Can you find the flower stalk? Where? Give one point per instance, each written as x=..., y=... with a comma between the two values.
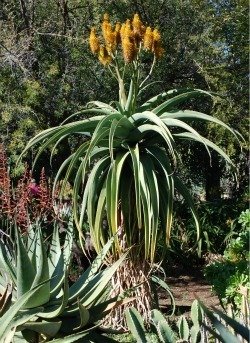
x=125, y=43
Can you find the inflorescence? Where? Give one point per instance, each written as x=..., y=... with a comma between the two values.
x=131, y=36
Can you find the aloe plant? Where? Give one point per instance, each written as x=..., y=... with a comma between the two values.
x=204, y=325
x=225, y=328
x=123, y=170
x=41, y=304
x=163, y=330
x=128, y=153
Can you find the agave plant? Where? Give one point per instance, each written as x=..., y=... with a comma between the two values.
x=41, y=304
x=124, y=168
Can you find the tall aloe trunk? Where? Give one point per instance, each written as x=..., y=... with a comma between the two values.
x=132, y=279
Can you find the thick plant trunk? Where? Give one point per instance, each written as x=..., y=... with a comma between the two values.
x=131, y=280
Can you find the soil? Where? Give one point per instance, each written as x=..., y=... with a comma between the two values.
x=186, y=285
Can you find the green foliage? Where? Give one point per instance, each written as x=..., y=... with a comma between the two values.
x=244, y=219
x=230, y=276
x=220, y=326
x=226, y=278
x=135, y=324
x=42, y=302
x=224, y=328
x=218, y=222
x=163, y=330
x=238, y=248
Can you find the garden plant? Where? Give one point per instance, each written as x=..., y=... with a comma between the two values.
x=229, y=276
x=204, y=325
x=38, y=304
x=124, y=167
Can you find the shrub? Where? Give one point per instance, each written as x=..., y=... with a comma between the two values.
x=230, y=277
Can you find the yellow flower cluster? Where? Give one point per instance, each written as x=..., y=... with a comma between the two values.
x=132, y=35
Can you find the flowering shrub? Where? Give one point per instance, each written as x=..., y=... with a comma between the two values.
x=28, y=201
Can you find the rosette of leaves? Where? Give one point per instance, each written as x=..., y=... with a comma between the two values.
x=41, y=305
x=129, y=152
x=123, y=169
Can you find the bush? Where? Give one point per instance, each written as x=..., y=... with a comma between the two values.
x=227, y=278
x=230, y=277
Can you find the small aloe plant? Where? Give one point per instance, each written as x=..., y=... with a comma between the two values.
x=225, y=328
x=205, y=324
x=41, y=305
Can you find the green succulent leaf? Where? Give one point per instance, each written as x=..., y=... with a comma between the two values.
x=24, y=279
x=178, y=99
x=41, y=274
x=197, y=314
x=183, y=328
x=52, y=311
x=50, y=329
x=6, y=263
x=6, y=321
x=221, y=331
x=165, y=333
x=95, y=286
x=135, y=325
x=55, y=251
x=24, y=316
x=76, y=337
x=84, y=315
x=195, y=334
x=163, y=285
x=77, y=288
x=194, y=115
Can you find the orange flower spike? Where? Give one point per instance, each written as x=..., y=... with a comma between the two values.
x=118, y=33
x=94, y=41
x=156, y=35
x=148, y=39
x=108, y=34
x=128, y=42
x=128, y=32
x=138, y=27
x=110, y=40
x=129, y=49
x=156, y=47
x=105, y=25
x=122, y=31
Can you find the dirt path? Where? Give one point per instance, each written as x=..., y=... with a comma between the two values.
x=185, y=286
